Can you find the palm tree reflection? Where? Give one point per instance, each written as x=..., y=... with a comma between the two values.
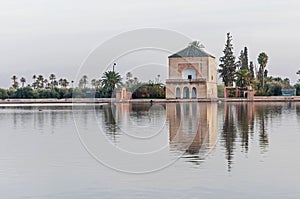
x=242, y=121
x=109, y=120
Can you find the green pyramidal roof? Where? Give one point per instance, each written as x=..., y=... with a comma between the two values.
x=191, y=51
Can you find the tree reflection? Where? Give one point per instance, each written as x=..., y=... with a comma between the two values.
x=245, y=122
x=263, y=135
x=242, y=121
x=264, y=116
x=229, y=131
x=298, y=110
x=193, y=127
x=109, y=120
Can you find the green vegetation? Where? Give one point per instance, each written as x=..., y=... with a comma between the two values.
x=144, y=90
x=228, y=65
x=105, y=87
x=111, y=80
x=243, y=75
x=297, y=87
x=220, y=91
x=149, y=90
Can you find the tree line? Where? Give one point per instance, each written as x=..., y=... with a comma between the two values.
x=243, y=72
x=104, y=87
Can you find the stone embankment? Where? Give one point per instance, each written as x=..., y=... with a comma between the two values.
x=110, y=100
x=58, y=101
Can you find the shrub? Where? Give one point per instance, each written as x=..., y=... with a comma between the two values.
x=221, y=91
x=3, y=94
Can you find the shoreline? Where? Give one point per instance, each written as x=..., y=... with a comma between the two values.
x=112, y=100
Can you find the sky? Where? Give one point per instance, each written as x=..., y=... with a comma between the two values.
x=55, y=36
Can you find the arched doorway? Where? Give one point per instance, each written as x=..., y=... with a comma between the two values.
x=178, y=96
x=194, y=93
x=186, y=93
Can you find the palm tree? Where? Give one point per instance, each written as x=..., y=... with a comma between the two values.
x=47, y=85
x=40, y=81
x=53, y=81
x=263, y=60
x=128, y=76
x=243, y=77
x=23, y=81
x=80, y=84
x=93, y=83
x=60, y=81
x=34, y=81
x=84, y=80
x=197, y=44
x=111, y=80
x=64, y=83
x=157, y=80
x=98, y=84
x=15, y=83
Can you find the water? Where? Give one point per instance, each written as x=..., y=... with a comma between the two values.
x=188, y=150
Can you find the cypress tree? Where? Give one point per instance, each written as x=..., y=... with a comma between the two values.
x=227, y=66
x=245, y=59
x=251, y=69
x=241, y=60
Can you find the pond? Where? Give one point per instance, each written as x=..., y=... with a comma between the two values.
x=172, y=150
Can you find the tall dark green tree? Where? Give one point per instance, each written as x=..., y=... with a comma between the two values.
x=251, y=70
x=227, y=66
x=240, y=59
x=245, y=59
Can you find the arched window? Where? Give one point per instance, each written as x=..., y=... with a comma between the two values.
x=178, y=96
x=194, y=93
x=186, y=93
x=189, y=73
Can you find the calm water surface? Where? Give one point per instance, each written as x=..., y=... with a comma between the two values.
x=188, y=150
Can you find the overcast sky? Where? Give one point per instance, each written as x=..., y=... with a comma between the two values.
x=56, y=36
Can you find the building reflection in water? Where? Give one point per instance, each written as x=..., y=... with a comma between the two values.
x=192, y=129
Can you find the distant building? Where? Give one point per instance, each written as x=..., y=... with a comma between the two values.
x=123, y=95
x=192, y=74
